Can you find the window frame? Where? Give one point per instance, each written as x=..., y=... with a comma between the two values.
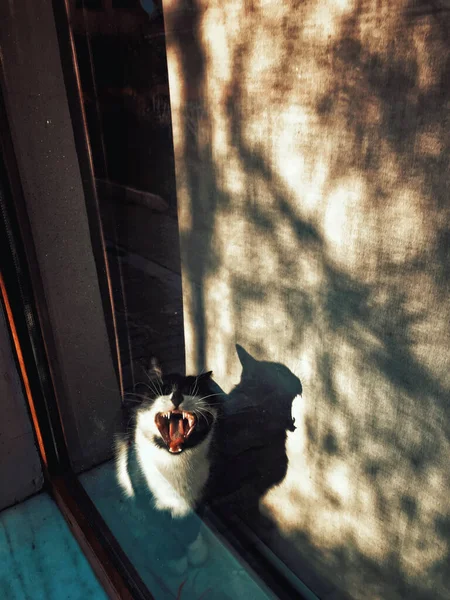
x=25, y=317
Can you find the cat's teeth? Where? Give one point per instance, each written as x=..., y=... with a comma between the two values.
x=184, y=416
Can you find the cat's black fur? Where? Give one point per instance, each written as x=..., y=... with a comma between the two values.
x=246, y=453
x=168, y=471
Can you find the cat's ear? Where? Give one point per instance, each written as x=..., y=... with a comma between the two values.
x=205, y=375
x=247, y=361
x=155, y=371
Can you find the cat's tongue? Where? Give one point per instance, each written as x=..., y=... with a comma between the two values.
x=176, y=433
x=175, y=428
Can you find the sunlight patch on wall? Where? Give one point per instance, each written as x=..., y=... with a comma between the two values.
x=324, y=20
x=344, y=221
x=220, y=141
x=265, y=55
x=234, y=180
x=293, y=124
x=259, y=319
x=315, y=184
x=178, y=95
x=216, y=42
x=178, y=100
x=220, y=326
x=185, y=214
x=324, y=186
x=338, y=480
x=429, y=143
x=190, y=326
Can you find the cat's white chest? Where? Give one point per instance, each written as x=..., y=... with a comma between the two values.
x=175, y=481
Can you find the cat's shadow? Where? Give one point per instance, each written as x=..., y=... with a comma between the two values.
x=251, y=438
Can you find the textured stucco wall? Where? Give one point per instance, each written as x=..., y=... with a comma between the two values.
x=312, y=150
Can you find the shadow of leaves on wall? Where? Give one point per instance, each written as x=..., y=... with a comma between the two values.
x=316, y=188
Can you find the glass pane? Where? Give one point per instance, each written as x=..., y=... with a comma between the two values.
x=123, y=69
x=308, y=219
x=178, y=551
x=312, y=151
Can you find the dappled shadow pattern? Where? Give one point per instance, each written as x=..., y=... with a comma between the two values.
x=313, y=166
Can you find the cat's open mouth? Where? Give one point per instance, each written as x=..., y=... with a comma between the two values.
x=175, y=427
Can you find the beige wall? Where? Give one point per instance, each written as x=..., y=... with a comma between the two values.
x=312, y=156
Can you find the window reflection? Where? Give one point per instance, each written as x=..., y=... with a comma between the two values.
x=154, y=494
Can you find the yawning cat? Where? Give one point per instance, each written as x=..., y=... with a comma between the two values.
x=164, y=452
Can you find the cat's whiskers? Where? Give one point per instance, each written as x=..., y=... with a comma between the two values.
x=146, y=438
x=196, y=381
x=130, y=396
x=128, y=427
x=211, y=395
x=151, y=385
x=160, y=384
x=206, y=410
x=195, y=390
x=199, y=412
x=158, y=389
x=155, y=383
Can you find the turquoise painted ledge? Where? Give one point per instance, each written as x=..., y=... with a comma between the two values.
x=39, y=558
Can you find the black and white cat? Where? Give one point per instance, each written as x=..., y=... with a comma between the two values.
x=164, y=452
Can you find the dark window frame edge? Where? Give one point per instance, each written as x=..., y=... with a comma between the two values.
x=114, y=570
